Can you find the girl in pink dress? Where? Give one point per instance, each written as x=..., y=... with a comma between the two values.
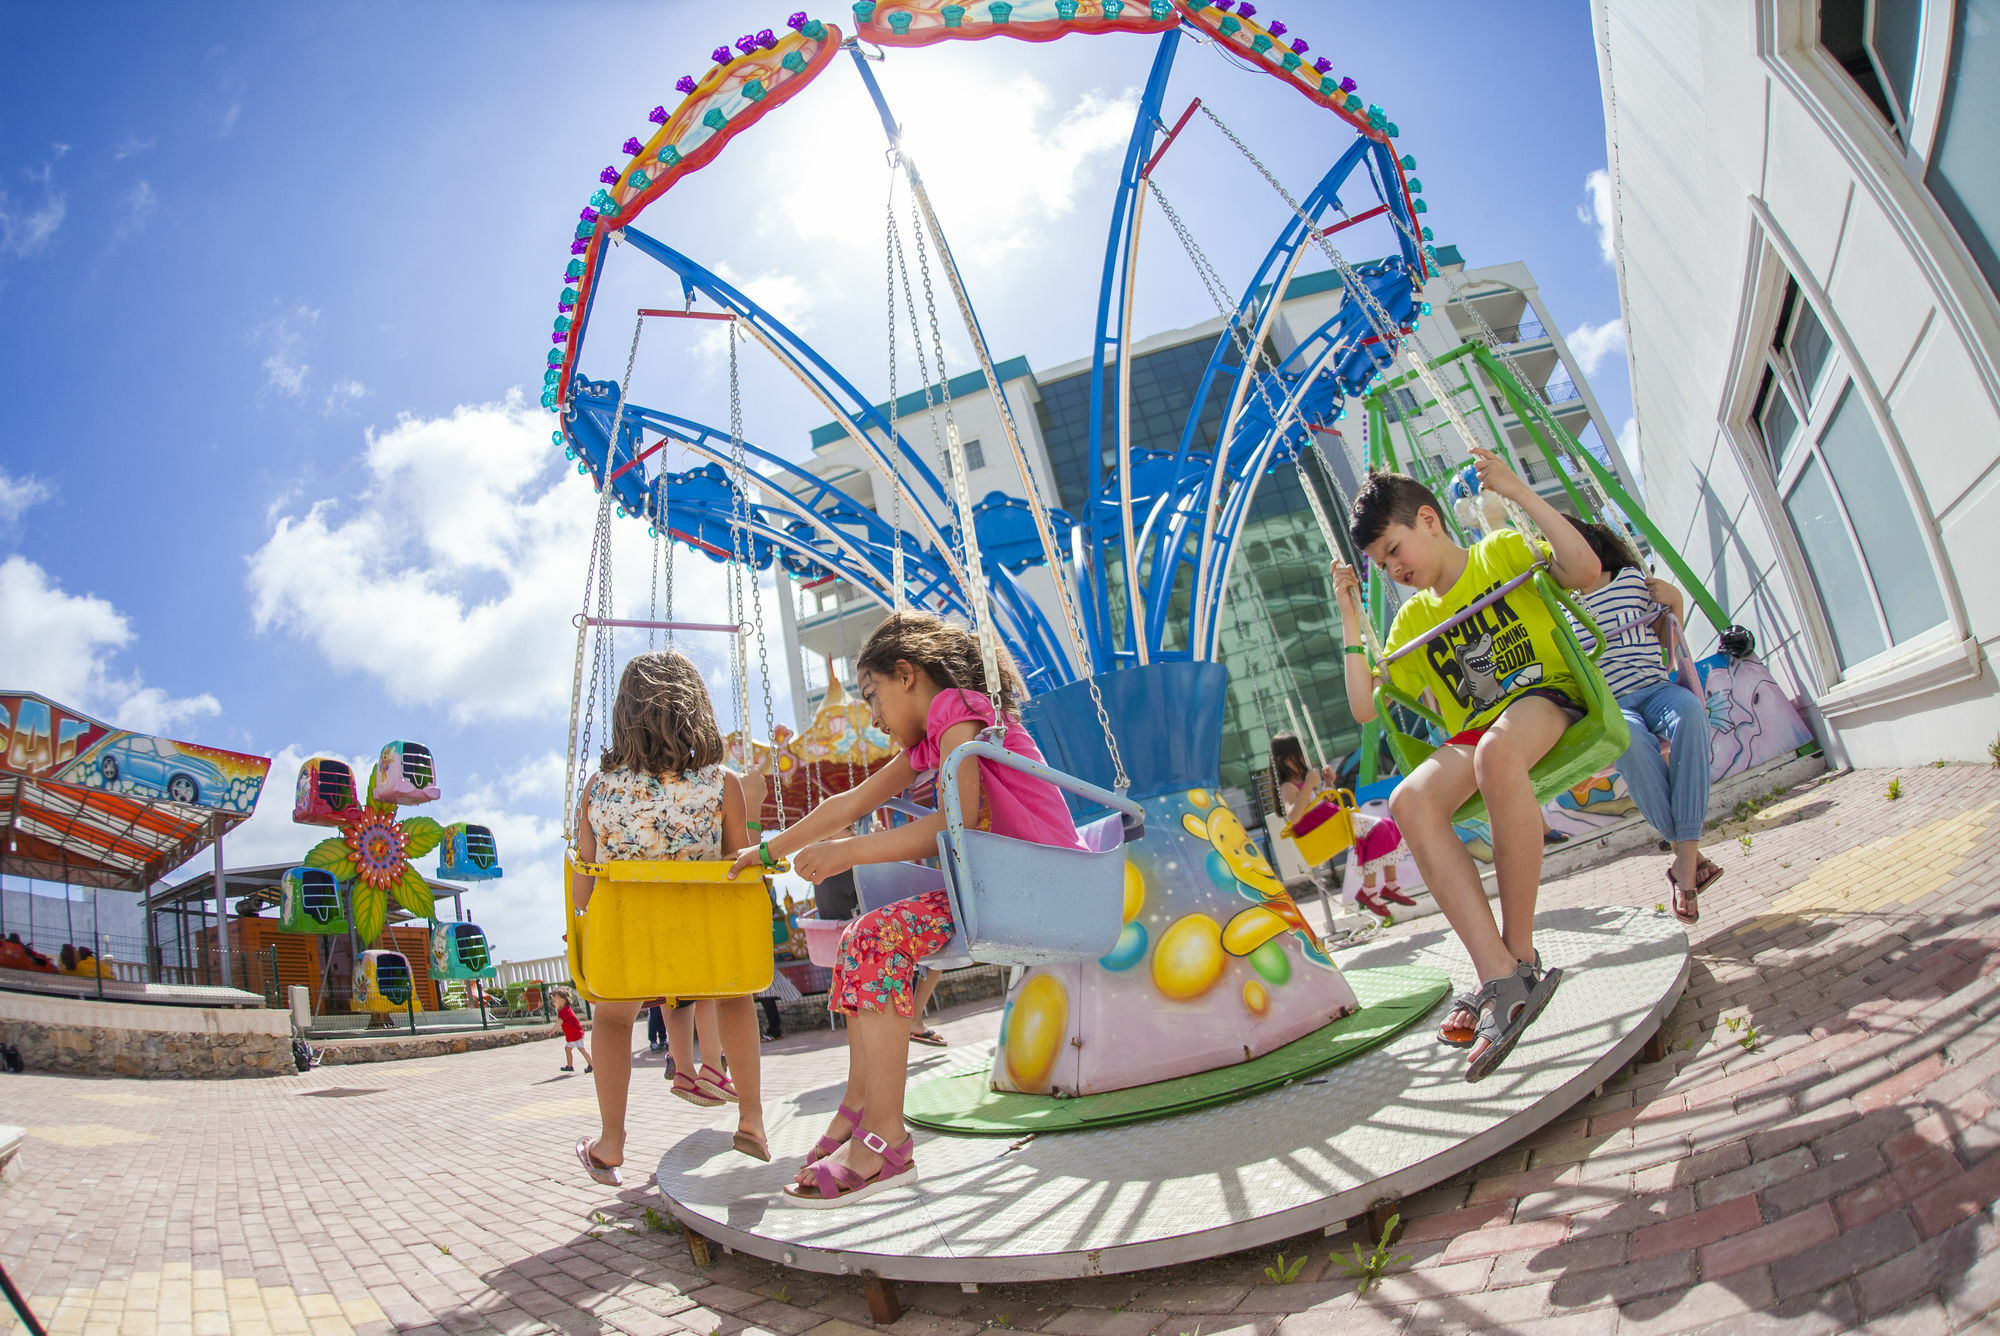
x=924, y=681
x=1378, y=845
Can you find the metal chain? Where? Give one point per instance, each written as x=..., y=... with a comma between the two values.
x=1212, y=280
x=653, y=566
x=1600, y=500
x=598, y=573
x=894, y=445
x=1065, y=596
x=741, y=540
x=1385, y=328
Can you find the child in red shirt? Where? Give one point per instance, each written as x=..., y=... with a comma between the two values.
x=572, y=1029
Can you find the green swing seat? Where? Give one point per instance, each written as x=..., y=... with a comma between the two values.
x=1592, y=743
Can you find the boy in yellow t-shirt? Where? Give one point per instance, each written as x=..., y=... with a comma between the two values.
x=1507, y=696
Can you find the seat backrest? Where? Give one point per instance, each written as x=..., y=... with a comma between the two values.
x=1107, y=832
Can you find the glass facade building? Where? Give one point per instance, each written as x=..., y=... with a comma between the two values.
x=1279, y=624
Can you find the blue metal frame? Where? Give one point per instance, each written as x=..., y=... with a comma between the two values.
x=827, y=533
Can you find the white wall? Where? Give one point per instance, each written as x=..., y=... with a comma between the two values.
x=1740, y=153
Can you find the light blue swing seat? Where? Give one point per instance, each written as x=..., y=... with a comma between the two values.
x=1022, y=903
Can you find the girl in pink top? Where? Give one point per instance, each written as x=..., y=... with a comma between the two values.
x=923, y=679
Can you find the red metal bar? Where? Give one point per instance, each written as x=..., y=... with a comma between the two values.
x=690, y=315
x=654, y=448
x=1349, y=222
x=1172, y=135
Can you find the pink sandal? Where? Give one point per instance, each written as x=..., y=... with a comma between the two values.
x=836, y=1185
x=692, y=1091
x=715, y=1084
x=830, y=1143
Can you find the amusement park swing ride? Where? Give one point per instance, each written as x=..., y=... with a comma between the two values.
x=1172, y=1015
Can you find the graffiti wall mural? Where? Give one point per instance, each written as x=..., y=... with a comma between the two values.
x=47, y=741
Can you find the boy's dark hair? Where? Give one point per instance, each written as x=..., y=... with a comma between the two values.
x=1613, y=552
x=1288, y=758
x=947, y=654
x=1386, y=499
x=662, y=722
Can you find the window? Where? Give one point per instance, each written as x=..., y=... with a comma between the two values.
x=1961, y=174
x=1841, y=492
x=975, y=456
x=1877, y=42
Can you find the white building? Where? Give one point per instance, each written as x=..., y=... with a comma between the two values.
x=1808, y=209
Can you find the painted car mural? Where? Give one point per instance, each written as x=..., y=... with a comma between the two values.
x=44, y=740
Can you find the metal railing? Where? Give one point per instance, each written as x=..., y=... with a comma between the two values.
x=1524, y=332
x=1559, y=391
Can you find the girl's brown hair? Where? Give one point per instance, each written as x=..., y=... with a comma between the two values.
x=947, y=654
x=663, y=722
x=1288, y=758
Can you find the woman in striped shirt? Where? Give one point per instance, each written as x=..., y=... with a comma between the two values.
x=1672, y=793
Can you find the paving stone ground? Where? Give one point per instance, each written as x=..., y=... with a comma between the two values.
x=1819, y=1151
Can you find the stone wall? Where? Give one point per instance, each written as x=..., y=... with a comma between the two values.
x=387, y=1046
x=84, y=1037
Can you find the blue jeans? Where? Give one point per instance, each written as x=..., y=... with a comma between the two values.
x=1672, y=795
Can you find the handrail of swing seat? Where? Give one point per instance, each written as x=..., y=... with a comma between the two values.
x=1040, y=918
x=1584, y=620
x=1466, y=613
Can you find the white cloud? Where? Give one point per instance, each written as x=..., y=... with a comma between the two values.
x=991, y=202
x=1598, y=212
x=1591, y=344
x=141, y=203
x=132, y=146
x=1628, y=439
x=344, y=395
x=451, y=580
x=17, y=495
x=26, y=227
x=285, y=367
x=63, y=645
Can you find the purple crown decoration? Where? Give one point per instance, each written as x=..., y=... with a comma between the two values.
x=796, y=21
x=1299, y=46
x=588, y=215
x=747, y=43
x=1322, y=65
x=1246, y=10
x=1277, y=28
x=658, y=115
x=1348, y=85
x=766, y=39
x=1225, y=5
x=720, y=55
x=632, y=146
x=609, y=176
x=684, y=84
x=579, y=246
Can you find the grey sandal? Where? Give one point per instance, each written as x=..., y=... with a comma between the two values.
x=1515, y=1002
x=1460, y=1036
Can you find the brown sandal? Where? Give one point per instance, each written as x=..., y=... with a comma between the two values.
x=1686, y=907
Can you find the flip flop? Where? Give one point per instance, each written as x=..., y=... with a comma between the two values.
x=929, y=1036
x=601, y=1172
x=756, y=1147
x=1706, y=874
x=1686, y=908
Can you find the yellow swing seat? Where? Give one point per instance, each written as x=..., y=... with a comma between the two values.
x=1591, y=744
x=665, y=928
x=1327, y=828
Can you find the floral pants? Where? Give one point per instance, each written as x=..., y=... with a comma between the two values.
x=876, y=969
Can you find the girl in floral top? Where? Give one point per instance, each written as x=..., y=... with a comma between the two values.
x=925, y=682
x=661, y=793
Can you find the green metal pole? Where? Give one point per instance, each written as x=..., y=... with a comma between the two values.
x=1607, y=480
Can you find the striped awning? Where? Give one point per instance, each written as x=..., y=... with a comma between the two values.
x=88, y=837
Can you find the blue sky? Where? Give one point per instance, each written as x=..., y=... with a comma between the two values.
x=282, y=279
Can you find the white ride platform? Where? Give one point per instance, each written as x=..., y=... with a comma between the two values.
x=1382, y=1126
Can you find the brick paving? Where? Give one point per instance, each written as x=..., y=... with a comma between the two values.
x=1818, y=1151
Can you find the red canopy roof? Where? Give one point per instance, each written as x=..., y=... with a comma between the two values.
x=88, y=804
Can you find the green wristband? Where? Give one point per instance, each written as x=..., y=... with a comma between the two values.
x=754, y=827
x=764, y=853
x=1356, y=649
